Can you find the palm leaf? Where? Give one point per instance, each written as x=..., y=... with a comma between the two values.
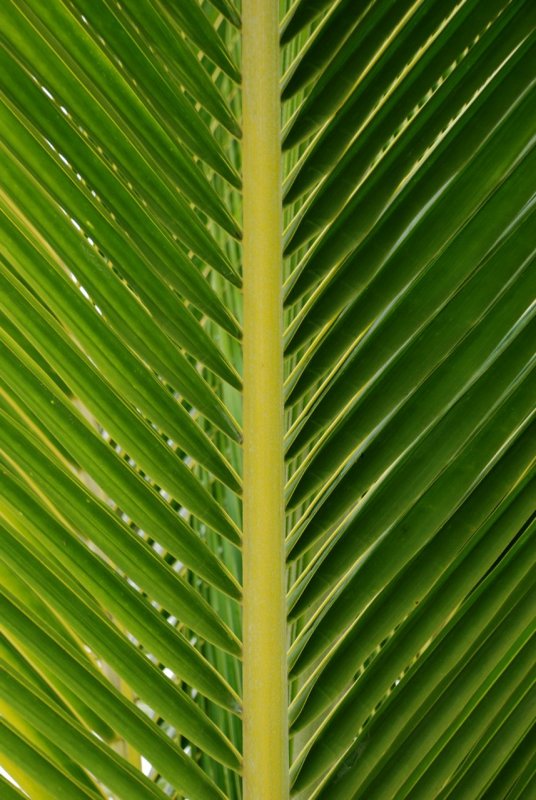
x=266, y=399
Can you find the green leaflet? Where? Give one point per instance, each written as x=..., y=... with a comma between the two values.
x=184, y=330
x=114, y=302
x=457, y=476
x=61, y=416
x=324, y=46
x=85, y=382
x=300, y=14
x=484, y=719
x=43, y=678
x=83, y=65
x=367, y=463
x=110, y=352
x=37, y=767
x=97, y=121
x=142, y=220
x=464, y=310
x=430, y=583
x=515, y=774
x=145, y=679
x=451, y=175
x=123, y=546
x=128, y=32
x=191, y=20
x=491, y=607
x=425, y=53
x=129, y=607
x=120, y=776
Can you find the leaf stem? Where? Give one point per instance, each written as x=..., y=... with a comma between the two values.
x=265, y=664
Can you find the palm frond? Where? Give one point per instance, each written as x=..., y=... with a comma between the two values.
x=372, y=302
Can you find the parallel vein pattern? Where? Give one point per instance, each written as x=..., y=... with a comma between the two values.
x=410, y=391
x=115, y=343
